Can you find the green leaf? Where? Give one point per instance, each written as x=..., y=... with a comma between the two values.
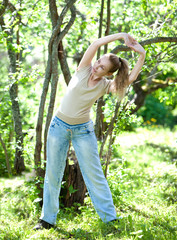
x=72, y=190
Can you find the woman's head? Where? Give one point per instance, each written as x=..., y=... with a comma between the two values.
x=102, y=66
x=109, y=64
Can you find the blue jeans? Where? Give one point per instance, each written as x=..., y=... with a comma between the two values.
x=85, y=145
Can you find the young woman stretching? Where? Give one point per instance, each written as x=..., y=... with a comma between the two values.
x=72, y=123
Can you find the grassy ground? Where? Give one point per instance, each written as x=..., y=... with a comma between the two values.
x=143, y=181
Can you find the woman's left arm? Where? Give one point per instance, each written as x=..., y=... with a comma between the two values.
x=136, y=70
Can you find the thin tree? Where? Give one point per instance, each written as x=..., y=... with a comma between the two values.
x=13, y=55
x=51, y=74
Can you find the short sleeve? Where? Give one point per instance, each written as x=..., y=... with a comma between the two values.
x=107, y=84
x=83, y=72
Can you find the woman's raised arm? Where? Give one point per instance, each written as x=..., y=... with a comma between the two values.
x=92, y=49
x=136, y=70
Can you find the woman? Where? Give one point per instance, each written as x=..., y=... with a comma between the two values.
x=72, y=123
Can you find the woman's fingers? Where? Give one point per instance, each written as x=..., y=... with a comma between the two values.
x=130, y=41
x=133, y=44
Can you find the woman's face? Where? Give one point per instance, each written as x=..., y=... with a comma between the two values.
x=102, y=66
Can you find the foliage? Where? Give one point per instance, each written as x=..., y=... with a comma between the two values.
x=157, y=113
x=6, y=121
x=125, y=119
x=144, y=193
x=28, y=85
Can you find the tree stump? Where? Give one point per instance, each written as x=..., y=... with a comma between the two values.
x=73, y=190
x=73, y=187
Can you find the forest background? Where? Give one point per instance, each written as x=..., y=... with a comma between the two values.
x=41, y=44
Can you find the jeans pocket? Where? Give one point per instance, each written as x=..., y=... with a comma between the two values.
x=87, y=129
x=53, y=123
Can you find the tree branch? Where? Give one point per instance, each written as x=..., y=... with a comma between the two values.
x=110, y=128
x=65, y=10
x=3, y=7
x=61, y=51
x=56, y=30
x=53, y=12
x=68, y=26
x=156, y=84
x=145, y=42
x=11, y=7
x=63, y=63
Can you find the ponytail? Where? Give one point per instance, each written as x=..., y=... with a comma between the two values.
x=122, y=76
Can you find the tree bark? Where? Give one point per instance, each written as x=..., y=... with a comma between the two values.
x=108, y=23
x=110, y=128
x=74, y=188
x=19, y=165
x=63, y=63
x=38, y=145
x=98, y=124
x=100, y=25
x=108, y=154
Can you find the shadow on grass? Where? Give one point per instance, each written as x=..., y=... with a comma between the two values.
x=79, y=233
x=172, y=152
x=157, y=221
x=76, y=233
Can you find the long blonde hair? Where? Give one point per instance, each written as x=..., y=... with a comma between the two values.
x=122, y=75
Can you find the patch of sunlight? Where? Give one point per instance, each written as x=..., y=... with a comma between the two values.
x=11, y=183
x=142, y=208
x=162, y=136
x=160, y=169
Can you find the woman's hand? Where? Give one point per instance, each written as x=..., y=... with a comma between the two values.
x=133, y=44
x=138, y=48
x=129, y=40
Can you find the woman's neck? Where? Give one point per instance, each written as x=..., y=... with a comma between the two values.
x=95, y=78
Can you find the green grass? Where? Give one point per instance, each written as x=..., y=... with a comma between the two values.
x=143, y=180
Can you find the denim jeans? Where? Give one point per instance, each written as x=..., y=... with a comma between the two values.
x=85, y=145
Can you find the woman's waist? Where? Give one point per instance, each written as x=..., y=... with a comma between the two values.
x=73, y=120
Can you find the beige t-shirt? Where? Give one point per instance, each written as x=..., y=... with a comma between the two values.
x=79, y=98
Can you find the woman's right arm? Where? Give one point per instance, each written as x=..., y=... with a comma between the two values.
x=92, y=49
x=137, y=68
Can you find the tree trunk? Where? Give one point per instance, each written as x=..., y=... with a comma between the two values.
x=98, y=123
x=54, y=84
x=38, y=145
x=101, y=126
x=100, y=25
x=19, y=165
x=74, y=188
